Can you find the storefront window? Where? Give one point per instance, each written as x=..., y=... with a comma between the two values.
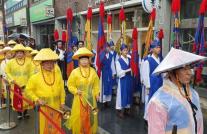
x=46, y=35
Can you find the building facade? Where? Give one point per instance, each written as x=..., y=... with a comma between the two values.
x=16, y=16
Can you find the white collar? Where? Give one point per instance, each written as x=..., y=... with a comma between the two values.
x=156, y=59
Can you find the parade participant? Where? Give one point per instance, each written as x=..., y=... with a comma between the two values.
x=11, y=43
x=18, y=71
x=80, y=44
x=28, y=53
x=75, y=49
x=115, y=57
x=47, y=86
x=107, y=74
x=60, y=52
x=35, y=64
x=153, y=82
x=83, y=83
x=144, y=78
x=124, y=90
x=175, y=108
x=8, y=55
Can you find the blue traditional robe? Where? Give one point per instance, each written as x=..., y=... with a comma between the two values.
x=106, y=76
x=156, y=81
x=124, y=92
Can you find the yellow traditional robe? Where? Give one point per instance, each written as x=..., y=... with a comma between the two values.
x=53, y=95
x=20, y=74
x=80, y=116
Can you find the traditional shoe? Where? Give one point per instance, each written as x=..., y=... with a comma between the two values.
x=19, y=116
x=26, y=115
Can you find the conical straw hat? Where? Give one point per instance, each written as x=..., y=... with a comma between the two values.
x=177, y=58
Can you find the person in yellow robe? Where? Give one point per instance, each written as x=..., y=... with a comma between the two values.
x=83, y=83
x=18, y=71
x=8, y=55
x=47, y=87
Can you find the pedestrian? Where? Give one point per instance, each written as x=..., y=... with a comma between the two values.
x=153, y=82
x=124, y=90
x=175, y=107
x=80, y=44
x=18, y=71
x=107, y=73
x=47, y=87
x=83, y=83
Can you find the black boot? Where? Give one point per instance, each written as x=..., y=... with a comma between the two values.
x=19, y=115
x=25, y=114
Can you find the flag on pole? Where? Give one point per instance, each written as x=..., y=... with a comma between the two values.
x=109, y=22
x=160, y=37
x=56, y=35
x=175, y=7
x=149, y=35
x=122, y=20
x=70, y=65
x=88, y=29
x=134, y=56
x=46, y=125
x=101, y=38
x=199, y=45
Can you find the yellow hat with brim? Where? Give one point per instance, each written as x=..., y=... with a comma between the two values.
x=2, y=43
x=11, y=42
x=46, y=54
x=4, y=50
x=34, y=52
x=82, y=52
x=29, y=49
x=19, y=47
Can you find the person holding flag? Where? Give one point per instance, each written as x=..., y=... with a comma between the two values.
x=84, y=84
x=115, y=58
x=153, y=82
x=46, y=87
x=124, y=90
x=107, y=74
x=18, y=70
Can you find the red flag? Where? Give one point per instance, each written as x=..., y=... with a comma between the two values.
x=101, y=40
x=56, y=35
x=17, y=101
x=134, y=57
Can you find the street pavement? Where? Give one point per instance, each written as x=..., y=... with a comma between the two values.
x=109, y=123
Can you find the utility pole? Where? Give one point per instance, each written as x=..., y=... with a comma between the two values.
x=28, y=17
x=4, y=23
